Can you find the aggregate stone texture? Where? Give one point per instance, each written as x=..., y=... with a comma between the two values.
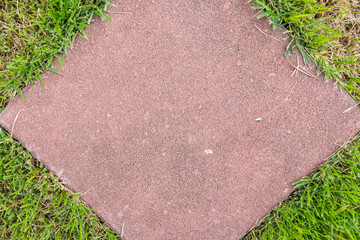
x=153, y=119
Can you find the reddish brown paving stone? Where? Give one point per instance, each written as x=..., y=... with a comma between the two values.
x=153, y=120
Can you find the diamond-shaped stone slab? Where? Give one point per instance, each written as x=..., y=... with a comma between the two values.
x=153, y=119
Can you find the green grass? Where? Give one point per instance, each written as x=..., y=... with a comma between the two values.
x=326, y=32
x=33, y=203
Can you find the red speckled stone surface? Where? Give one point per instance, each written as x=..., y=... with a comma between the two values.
x=153, y=119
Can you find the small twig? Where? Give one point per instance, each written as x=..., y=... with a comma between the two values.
x=17, y=7
x=122, y=13
x=356, y=207
x=351, y=107
x=266, y=34
x=12, y=128
x=296, y=69
x=122, y=230
x=82, y=194
x=286, y=98
x=292, y=89
x=299, y=68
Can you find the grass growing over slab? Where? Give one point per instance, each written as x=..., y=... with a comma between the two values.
x=33, y=203
x=33, y=32
x=327, y=32
x=325, y=205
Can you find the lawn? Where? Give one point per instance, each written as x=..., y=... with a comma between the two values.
x=35, y=205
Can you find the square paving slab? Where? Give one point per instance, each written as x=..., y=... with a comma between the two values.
x=153, y=119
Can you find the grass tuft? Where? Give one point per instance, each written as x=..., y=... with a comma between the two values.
x=33, y=32
x=325, y=205
x=326, y=32
x=35, y=205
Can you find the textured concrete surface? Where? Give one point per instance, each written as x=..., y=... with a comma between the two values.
x=153, y=119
